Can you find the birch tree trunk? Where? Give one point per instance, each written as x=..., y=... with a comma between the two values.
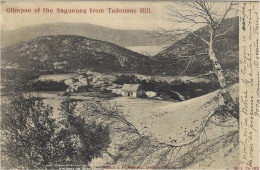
x=228, y=101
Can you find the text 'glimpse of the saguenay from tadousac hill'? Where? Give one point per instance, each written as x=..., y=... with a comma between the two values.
x=120, y=85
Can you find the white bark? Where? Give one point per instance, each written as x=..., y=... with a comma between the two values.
x=229, y=102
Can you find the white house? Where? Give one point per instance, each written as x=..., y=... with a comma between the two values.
x=132, y=90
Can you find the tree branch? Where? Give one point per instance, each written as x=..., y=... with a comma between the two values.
x=187, y=65
x=205, y=41
x=224, y=33
x=207, y=11
x=225, y=14
x=197, y=136
x=218, y=124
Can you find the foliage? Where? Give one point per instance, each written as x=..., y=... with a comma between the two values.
x=32, y=139
x=193, y=89
x=28, y=131
x=18, y=75
x=16, y=80
x=126, y=79
x=167, y=91
x=82, y=141
x=48, y=85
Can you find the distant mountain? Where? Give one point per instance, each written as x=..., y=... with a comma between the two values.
x=123, y=38
x=172, y=61
x=63, y=53
x=71, y=52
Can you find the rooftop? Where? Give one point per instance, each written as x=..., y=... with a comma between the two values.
x=130, y=87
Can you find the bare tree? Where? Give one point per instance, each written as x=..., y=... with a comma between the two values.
x=204, y=13
x=136, y=148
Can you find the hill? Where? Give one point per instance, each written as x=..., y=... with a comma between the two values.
x=171, y=62
x=72, y=52
x=65, y=53
x=123, y=38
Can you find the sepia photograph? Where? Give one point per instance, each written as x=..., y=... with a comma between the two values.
x=127, y=85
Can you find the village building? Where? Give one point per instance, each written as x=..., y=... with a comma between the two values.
x=132, y=90
x=69, y=82
x=78, y=84
x=82, y=79
x=76, y=87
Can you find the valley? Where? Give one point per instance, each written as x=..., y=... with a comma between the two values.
x=161, y=96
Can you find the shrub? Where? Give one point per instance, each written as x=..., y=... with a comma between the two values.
x=28, y=132
x=32, y=139
x=16, y=80
x=167, y=91
x=194, y=89
x=49, y=85
x=126, y=79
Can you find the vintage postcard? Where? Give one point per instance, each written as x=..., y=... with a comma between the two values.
x=129, y=85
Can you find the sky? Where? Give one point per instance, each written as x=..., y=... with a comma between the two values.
x=148, y=21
